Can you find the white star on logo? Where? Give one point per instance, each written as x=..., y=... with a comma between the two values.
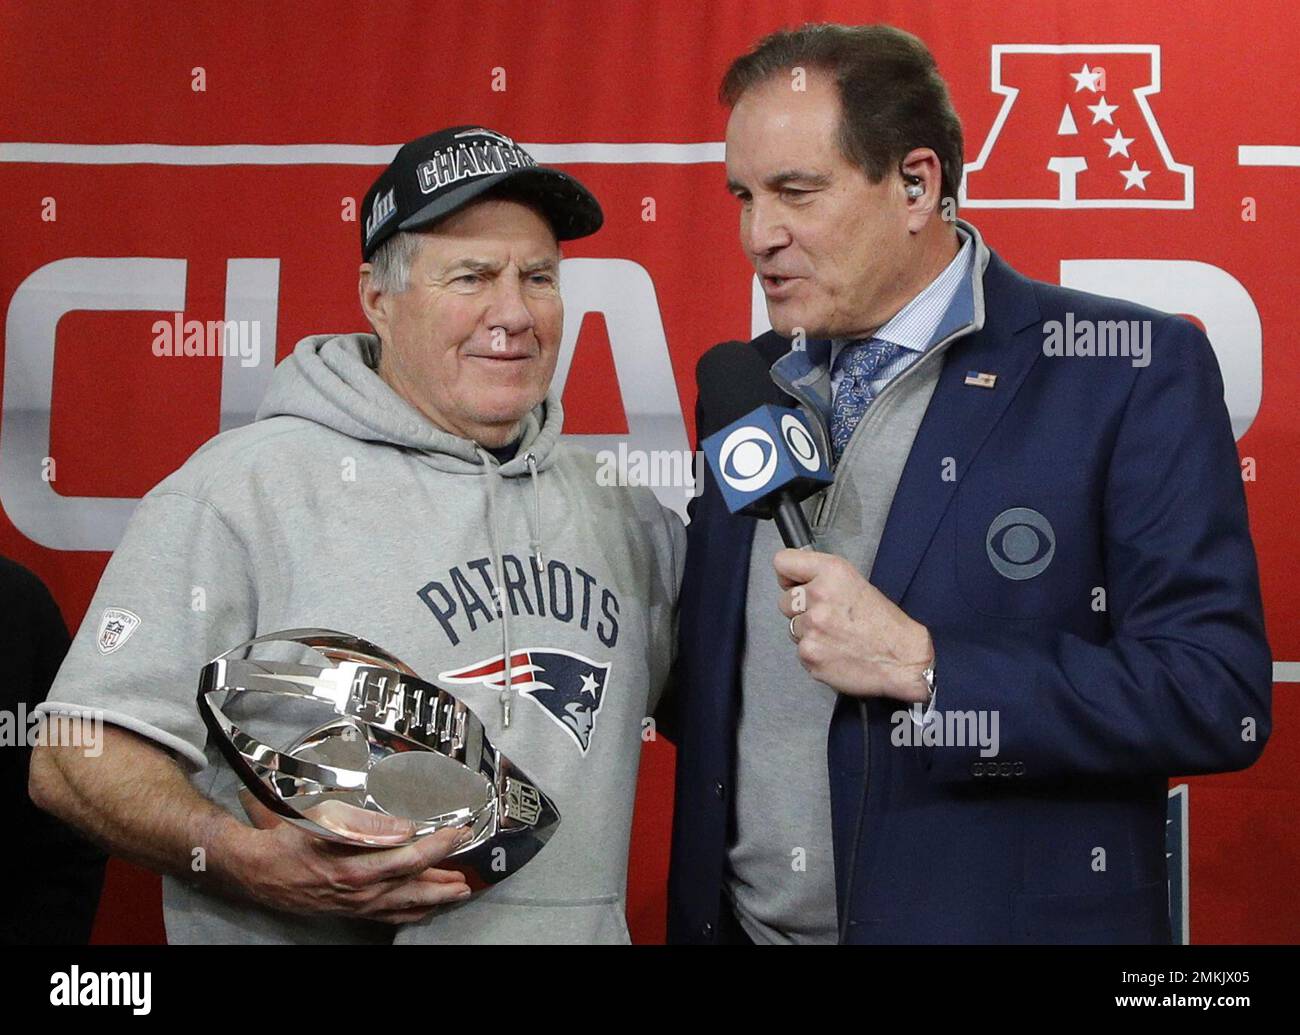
x=1133, y=177
x=1086, y=80
x=1118, y=144
x=1101, y=111
x=588, y=686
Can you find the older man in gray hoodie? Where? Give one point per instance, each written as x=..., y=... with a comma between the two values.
x=409, y=487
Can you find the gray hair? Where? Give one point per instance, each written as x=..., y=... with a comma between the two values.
x=390, y=266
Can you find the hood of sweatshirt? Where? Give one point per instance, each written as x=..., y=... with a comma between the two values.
x=330, y=379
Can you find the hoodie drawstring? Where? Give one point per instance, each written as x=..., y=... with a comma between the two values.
x=535, y=540
x=493, y=474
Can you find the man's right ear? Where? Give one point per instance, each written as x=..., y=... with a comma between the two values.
x=373, y=299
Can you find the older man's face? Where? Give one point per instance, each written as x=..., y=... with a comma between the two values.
x=830, y=247
x=473, y=340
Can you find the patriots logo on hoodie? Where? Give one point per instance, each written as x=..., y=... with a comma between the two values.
x=568, y=686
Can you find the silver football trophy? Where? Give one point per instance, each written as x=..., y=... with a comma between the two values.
x=390, y=744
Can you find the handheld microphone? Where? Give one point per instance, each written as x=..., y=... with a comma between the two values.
x=765, y=463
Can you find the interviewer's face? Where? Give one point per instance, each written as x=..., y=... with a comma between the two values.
x=473, y=340
x=827, y=243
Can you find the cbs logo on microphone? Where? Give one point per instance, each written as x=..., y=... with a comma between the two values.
x=773, y=448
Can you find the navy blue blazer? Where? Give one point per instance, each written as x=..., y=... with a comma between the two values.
x=1060, y=837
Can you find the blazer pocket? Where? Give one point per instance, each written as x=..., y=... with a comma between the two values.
x=1139, y=916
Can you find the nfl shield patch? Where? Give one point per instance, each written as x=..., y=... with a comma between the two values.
x=115, y=628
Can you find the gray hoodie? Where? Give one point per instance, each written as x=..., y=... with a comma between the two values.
x=343, y=507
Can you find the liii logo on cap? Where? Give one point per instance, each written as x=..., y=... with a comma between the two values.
x=380, y=212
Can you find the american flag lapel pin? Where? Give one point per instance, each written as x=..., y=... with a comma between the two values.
x=980, y=379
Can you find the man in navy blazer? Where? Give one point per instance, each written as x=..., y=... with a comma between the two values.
x=1033, y=595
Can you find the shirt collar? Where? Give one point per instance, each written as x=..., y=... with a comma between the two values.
x=914, y=325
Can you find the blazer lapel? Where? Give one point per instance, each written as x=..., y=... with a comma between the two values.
x=958, y=421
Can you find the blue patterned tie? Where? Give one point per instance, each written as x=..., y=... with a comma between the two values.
x=861, y=363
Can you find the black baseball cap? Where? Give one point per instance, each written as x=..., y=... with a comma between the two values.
x=434, y=176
